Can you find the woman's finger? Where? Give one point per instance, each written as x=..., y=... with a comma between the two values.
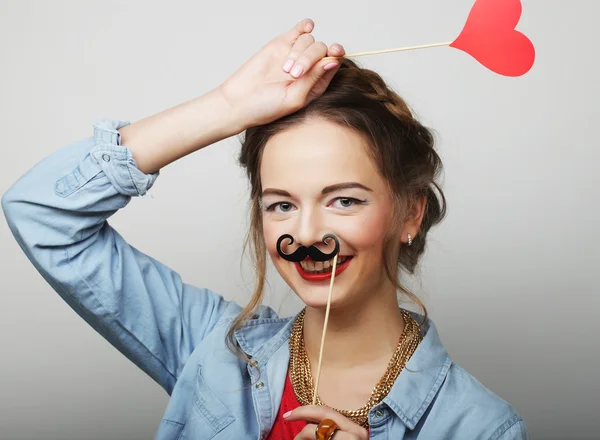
x=316, y=80
x=304, y=26
x=336, y=50
x=302, y=43
x=322, y=82
x=310, y=85
x=308, y=58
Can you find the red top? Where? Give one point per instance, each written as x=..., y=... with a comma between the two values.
x=283, y=430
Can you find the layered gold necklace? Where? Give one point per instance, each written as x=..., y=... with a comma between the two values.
x=302, y=380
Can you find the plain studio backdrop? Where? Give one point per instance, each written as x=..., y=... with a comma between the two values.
x=510, y=277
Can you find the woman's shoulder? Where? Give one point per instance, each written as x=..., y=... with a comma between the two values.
x=468, y=387
x=454, y=402
x=475, y=405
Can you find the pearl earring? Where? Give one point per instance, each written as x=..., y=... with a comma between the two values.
x=409, y=239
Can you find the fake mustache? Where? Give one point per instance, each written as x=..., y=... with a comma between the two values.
x=312, y=251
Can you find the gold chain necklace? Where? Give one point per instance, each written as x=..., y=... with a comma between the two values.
x=302, y=380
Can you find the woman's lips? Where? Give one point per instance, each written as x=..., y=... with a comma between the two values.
x=322, y=276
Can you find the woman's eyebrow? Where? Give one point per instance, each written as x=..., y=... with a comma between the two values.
x=346, y=185
x=326, y=190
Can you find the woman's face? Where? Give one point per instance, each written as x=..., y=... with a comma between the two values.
x=317, y=178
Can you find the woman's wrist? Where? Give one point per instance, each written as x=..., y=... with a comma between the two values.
x=162, y=138
x=225, y=119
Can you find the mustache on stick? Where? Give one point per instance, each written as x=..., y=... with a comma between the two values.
x=313, y=252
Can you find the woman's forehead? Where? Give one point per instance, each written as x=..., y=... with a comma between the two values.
x=316, y=153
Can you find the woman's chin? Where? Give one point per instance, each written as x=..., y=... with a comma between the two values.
x=317, y=298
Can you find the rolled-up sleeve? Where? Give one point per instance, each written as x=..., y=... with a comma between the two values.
x=58, y=213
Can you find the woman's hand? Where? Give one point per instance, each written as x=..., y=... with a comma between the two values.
x=314, y=414
x=284, y=76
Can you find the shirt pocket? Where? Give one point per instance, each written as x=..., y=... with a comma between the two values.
x=208, y=415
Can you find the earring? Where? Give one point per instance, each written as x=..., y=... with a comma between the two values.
x=409, y=239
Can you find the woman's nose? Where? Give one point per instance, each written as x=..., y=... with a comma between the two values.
x=309, y=229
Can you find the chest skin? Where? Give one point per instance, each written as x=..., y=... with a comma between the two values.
x=335, y=389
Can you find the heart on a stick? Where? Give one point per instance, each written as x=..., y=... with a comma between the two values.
x=490, y=37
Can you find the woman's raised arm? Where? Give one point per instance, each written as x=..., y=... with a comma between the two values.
x=58, y=214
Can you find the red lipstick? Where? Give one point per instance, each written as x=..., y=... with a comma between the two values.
x=322, y=276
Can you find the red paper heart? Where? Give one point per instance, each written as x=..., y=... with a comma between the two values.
x=490, y=37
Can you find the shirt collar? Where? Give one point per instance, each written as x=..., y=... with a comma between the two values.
x=259, y=338
x=421, y=379
x=415, y=387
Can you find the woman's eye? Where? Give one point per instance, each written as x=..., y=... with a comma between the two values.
x=347, y=202
x=284, y=207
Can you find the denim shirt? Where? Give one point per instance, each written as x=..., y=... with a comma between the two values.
x=175, y=332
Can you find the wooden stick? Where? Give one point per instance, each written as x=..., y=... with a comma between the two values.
x=397, y=49
x=314, y=401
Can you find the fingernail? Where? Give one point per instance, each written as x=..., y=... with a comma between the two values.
x=287, y=414
x=288, y=65
x=330, y=66
x=297, y=71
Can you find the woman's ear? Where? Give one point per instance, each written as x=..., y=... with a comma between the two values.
x=414, y=219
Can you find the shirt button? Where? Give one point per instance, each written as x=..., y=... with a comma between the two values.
x=106, y=158
x=379, y=413
x=260, y=385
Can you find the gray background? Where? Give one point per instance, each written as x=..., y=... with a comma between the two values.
x=510, y=277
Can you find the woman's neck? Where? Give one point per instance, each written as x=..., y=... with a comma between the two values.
x=357, y=334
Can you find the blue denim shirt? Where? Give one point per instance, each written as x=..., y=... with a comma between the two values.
x=175, y=332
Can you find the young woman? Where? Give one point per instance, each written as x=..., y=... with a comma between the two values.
x=328, y=148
